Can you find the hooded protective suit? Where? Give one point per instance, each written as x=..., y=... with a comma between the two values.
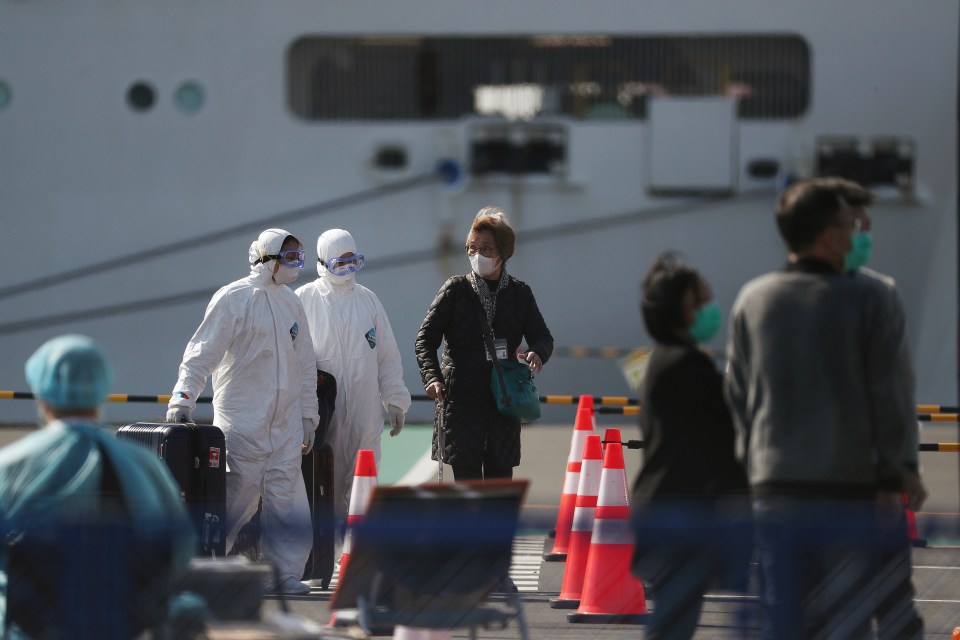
x=255, y=342
x=352, y=339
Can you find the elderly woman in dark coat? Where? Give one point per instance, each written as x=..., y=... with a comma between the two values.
x=480, y=442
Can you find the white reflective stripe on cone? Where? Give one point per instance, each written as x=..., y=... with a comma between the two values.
x=401, y=632
x=612, y=492
x=612, y=531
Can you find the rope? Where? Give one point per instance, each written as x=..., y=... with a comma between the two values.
x=200, y=240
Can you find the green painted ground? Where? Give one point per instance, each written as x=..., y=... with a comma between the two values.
x=398, y=455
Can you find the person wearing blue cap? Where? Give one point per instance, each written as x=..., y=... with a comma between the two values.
x=94, y=529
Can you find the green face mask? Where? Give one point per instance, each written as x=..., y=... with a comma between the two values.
x=706, y=322
x=861, y=246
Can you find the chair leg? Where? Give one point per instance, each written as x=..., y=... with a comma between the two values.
x=521, y=620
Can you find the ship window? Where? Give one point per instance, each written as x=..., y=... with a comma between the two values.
x=6, y=95
x=581, y=76
x=141, y=96
x=189, y=97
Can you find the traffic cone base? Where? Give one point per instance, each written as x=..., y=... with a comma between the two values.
x=608, y=618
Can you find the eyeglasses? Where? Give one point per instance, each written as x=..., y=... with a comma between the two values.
x=288, y=258
x=343, y=266
x=485, y=250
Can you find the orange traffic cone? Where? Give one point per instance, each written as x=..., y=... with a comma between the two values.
x=582, y=527
x=568, y=497
x=912, y=533
x=956, y=633
x=611, y=594
x=364, y=482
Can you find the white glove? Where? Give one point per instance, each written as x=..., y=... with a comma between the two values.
x=309, y=433
x=396, y=418
x=178, y=414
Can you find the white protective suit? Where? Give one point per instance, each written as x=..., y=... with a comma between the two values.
x=255, y=342
x=352, y=340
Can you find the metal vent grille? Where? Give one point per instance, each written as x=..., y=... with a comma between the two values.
x=580, y=76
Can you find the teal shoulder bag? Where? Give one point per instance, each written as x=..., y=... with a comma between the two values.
x=511, y=381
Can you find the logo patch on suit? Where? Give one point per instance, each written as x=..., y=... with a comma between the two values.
x=371, y=337
x=294, y=330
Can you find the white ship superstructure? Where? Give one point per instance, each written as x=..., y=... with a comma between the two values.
x=156, y=138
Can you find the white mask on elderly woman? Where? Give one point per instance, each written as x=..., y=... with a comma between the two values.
x=482, y=265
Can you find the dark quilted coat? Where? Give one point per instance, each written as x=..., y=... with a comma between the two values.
x=472, y=421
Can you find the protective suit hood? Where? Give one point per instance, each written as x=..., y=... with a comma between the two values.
x=331, y=244
x=268, y=243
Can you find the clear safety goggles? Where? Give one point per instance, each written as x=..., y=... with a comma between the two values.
x=290, y=257
x=343, y=266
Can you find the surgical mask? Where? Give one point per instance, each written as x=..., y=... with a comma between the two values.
x=706, y=322
x=483, y=265
x=861, y=246
x=340, y=281
x=286, y=275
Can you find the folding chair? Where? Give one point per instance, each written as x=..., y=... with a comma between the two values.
x=428, y=557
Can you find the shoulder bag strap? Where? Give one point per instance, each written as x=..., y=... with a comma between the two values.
x=491, y=349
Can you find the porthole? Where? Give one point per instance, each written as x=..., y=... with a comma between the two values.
x=6, y=95
x=141, y=96
x=189, y=97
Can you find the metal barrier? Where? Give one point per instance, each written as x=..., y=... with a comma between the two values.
x=163, y=399
x=615, y=405
x=940, y=447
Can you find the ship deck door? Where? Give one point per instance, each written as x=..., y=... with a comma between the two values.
x=692, y=145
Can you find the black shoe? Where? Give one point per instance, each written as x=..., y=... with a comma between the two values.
x=506, y=586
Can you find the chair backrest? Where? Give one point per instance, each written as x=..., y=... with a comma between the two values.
x=428, y=555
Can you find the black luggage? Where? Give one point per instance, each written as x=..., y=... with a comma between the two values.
x=317, y=469
x=195, y=455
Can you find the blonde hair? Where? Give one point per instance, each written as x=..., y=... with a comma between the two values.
x=494, y=220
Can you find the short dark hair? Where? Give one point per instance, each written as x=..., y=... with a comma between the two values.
x=661, y=299
x=805, y=209
x=494, y=220
x=854, y=194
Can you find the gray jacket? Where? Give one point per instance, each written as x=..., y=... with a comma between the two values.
x=813, y=380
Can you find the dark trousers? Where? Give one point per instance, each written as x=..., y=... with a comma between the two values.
x=486, y=470
x=678, y=589
x=895, y=615
x=816, y=559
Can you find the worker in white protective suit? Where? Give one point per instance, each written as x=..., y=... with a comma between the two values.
x=255, y=342
x=352, y=340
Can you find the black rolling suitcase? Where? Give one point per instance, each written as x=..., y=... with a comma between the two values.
x=195, y=455
x=317, y=467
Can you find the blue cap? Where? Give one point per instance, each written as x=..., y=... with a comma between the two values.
x=69, y=372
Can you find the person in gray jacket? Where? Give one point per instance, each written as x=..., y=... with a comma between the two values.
x=896, y=615
x=812, y=383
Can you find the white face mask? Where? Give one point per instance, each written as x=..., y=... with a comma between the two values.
x=338, y=281
x=286, y=275
x=483, y=265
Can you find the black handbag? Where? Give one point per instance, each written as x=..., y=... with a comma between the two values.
x=510, y=381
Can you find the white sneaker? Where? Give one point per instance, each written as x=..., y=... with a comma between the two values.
x=293, y=587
